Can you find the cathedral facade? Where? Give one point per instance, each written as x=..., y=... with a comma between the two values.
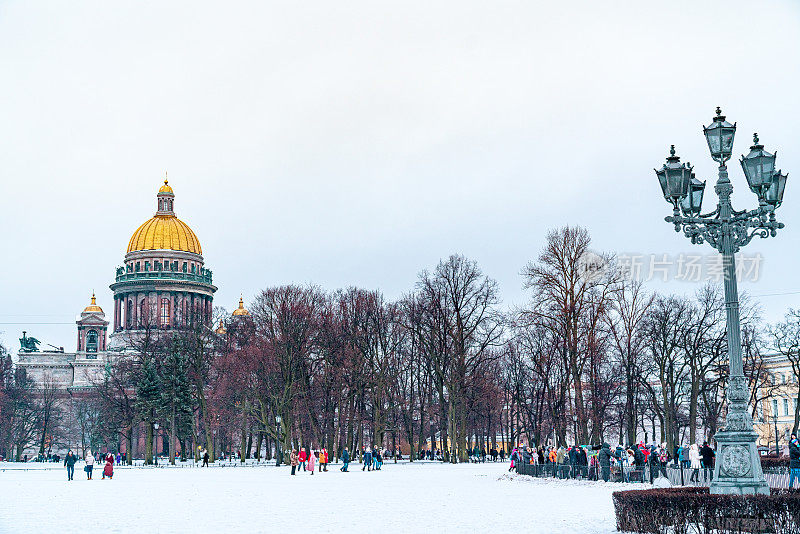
x=163, y=284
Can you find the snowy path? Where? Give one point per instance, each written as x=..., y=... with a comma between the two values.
x=399, y=498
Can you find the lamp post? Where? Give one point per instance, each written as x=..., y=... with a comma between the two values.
x=278, y=442
x=155, y=443
x=738, y=467
x=775, y=421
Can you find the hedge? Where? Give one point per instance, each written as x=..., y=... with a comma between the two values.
x=694, y=510
x=774, y=461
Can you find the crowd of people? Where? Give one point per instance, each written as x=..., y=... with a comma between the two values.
x=575, y=461
x=597, y=461
x=371, y=457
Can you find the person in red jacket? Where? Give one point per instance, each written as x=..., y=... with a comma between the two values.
x=108, y=470
x=302, y=458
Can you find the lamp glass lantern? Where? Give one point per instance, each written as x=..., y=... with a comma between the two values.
x=719, y=136
x=692, y=203
x=674, y=178
x=758, y=167
x=774, y=193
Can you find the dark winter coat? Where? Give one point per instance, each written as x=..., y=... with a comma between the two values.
x=70, y=460
x=638, y=456
x=605, y=455
x=707, y=456
x=582, y=458
x=345, y=456
x=794, y=454
x=573, y=456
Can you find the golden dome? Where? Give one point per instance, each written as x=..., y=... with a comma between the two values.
x=93, y=307
x=241, y=309
x=166, y=188
x=221, y=330
x=165, y=231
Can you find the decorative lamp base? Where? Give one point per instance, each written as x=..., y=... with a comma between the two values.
x=738, y=467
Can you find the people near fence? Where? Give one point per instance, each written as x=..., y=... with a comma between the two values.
x=794, y=459
x=302, y=458
x=604, y=459
x=694, y=462
x=514, y=454
x=707, y=459
x=654, y=462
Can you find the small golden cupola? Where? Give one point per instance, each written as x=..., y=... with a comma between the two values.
x=221, y=329
x=241, y=311
x=93, y=307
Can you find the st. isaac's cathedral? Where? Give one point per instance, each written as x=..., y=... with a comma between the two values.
x=163, y=283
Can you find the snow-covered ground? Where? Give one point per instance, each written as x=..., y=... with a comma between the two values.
x=401, y=497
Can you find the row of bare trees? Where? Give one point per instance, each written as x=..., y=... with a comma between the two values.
x=593, y=356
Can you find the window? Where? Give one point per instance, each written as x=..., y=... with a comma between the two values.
x=774, y=406
x=147, y=266
x=184, y=266
x=91, y=341
x=142, y=312
x=137, y=266
x=164, y=312
x=785, y=406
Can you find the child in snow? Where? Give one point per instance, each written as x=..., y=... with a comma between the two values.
x=311, y=459
x=108, y=470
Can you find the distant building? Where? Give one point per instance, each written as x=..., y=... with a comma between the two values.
x=163, y=284
x=778, y=407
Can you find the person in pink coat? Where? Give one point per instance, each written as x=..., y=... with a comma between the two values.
x=311, y=458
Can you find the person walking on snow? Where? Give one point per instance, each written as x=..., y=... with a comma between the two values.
x=323, y=459
x=367, y=459
x=311, y=459
x=89, y=465
x=293, y=459
x=108, y=470
x=69, y=462
x=302, y=458
x=345, y=457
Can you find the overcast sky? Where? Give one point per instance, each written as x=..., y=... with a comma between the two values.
x=356, y=143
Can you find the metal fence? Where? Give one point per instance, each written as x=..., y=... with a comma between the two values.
x=678, y=476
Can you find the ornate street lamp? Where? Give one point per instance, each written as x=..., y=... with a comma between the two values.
x=278, y=441
x=738, y=466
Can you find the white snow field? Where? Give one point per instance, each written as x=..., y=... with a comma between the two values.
x=403, y=497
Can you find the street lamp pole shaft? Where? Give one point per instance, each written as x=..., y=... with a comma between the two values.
x=724, y=189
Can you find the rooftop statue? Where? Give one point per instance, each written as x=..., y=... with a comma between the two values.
x=28, y=344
